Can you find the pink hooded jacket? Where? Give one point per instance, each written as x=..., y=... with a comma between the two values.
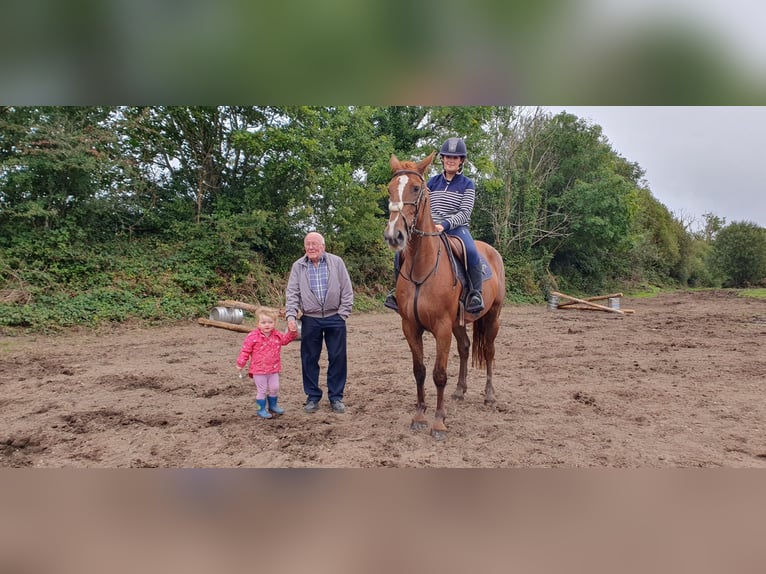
x=264, y=352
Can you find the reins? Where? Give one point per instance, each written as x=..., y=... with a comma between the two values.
x=412, y=228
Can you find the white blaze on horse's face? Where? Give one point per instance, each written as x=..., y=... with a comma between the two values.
x=403, y=179
x=391, y=231
x=395, y=206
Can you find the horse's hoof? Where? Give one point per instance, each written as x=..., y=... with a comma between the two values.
x=418, y=425
x=439, y=435
x=458, y=396
x=490, y=403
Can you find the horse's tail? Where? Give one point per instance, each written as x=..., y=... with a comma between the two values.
x=485, y=328
x=481, y=339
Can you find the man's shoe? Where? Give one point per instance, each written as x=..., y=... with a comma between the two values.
x=311, y=406
x=338, y=407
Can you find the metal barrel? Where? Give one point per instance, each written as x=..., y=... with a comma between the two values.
x=553, y=302
x=614, y=302
x=227, y=315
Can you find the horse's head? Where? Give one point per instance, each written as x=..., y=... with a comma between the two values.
x=406, y=191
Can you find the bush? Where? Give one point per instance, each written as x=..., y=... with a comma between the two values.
x=740, y=254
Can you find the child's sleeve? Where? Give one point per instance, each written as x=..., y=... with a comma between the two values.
x=288, y=336
x=245, y=351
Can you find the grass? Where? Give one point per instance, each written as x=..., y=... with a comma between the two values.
x=757, y=293
x=647, y=291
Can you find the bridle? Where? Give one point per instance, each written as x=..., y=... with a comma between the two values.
x=397, y=206
x=412, y=228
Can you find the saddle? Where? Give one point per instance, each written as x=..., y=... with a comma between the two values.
x=459, y=260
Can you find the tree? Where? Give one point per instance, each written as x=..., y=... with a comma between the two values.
x=713, y=224
x=190, y=156
x=514, y=205
x=58, y=167
x=740, y=254
x=594, y=189
x=657, y=238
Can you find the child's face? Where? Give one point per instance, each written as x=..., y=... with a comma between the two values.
x=265, y=324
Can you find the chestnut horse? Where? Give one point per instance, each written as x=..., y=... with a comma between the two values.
x=428, y=292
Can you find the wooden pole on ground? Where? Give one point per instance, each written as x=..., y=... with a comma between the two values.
x=588, y=303
x=224, y=325
x=597, y=298
x=577, y=307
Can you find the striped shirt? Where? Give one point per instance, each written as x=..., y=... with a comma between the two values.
x=452, y=201
x=318, y=277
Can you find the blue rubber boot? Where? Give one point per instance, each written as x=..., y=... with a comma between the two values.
x=273, y=406
x=262, y=412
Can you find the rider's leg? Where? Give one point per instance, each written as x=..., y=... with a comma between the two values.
x=390, y=301
x=474, y=300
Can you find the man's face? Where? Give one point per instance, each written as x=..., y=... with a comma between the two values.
x=314, y=246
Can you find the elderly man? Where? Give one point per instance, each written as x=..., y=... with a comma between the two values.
x=320, y=287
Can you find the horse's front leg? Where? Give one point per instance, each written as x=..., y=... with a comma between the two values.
x=419, y=420
x=463, y=349
x=415, y=341
x=443, y=342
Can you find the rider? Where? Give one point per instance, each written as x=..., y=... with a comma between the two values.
x=452, y=197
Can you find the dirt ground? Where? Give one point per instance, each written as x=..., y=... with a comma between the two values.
x=679, y=383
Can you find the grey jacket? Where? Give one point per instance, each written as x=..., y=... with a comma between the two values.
x=299, y=296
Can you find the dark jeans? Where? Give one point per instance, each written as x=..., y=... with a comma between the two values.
x=331, y=330
x=470, y=247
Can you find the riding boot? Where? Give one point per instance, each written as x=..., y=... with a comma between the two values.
x=474, y=301
x=262, y=412
x=273, y=408
x=390, y=301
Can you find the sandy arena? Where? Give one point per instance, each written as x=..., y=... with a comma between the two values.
x=680, y=383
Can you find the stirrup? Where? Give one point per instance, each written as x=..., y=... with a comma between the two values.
x=474, y=303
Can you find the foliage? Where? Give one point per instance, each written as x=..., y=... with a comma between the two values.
x=740, y=254
x=155, y=212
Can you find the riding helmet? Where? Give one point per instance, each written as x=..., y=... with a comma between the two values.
x=453, y=146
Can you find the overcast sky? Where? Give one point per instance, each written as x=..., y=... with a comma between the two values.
x=697, y=159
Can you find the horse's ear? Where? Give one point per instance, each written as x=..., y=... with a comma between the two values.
x=424, y=163
x=396, y=165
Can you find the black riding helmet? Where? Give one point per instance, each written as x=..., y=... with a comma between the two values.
x=454, y=146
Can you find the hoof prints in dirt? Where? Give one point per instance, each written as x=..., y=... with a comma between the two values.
x=21, y=443
x=229, y=391
x=102, y=419
x=584, y=398
x=165, y=385
x=15, y=451
x=125, y=382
